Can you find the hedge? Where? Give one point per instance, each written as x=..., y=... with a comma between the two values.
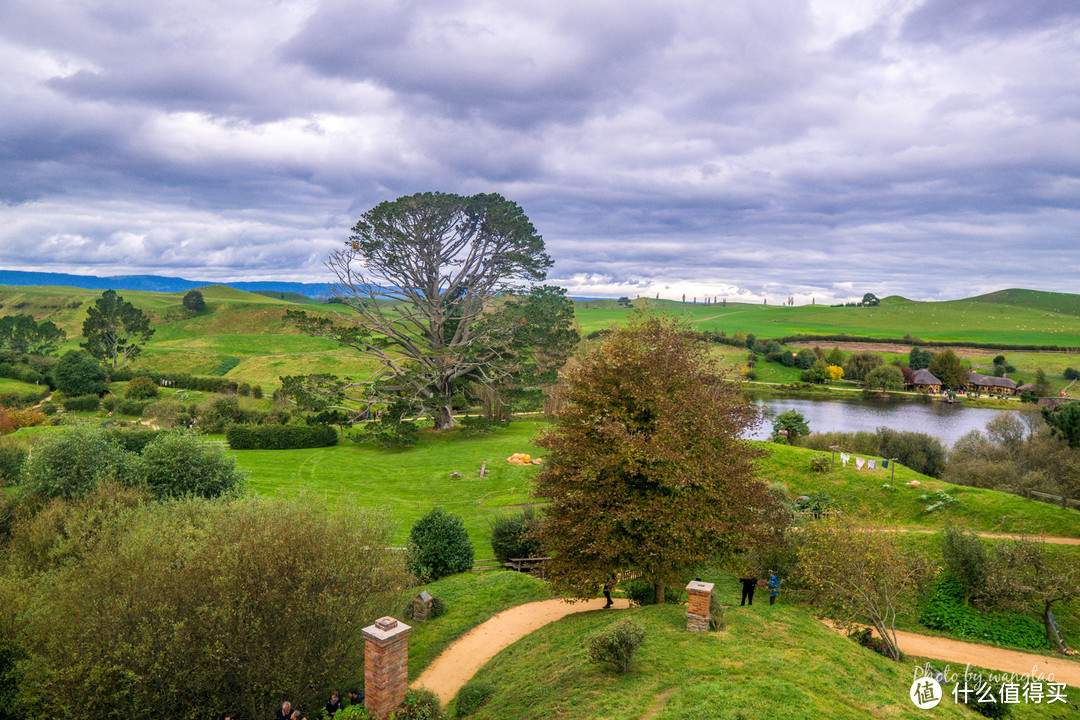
x=81, y=402
x=280, y=437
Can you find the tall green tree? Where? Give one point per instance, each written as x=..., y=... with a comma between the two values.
x=885, y=377
x=860, y=364
x=793, y=423
x=22, y=334
x=194, y=301
x=77, y=373
x=949, y=369
x=647, y=472
x=115, y=329
x=416, y=275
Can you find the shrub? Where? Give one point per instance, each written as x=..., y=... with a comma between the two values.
x=820, y=463
x=420, y=704
x=77, y=373
x=988, y=708
x=920, y=452
x=74, y=461
x=243, y=389
x=280, y=437
x=12, y=462
x=176, y=464
x=351, y=712
x=141, y=388
x=438, y=607
x=471, y=697
x=218, y=589
x=219, y=413
x=49, y=408
x=946, y=611
x=439, y=546
x=133, y=440
x=616, y=644
x=133, y=408
x=965, y=559
x=85, y=403
x=256, y=392
x=510, y=535
x=166, y=412
x=717, y=621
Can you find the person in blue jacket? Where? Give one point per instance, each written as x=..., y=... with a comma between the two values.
x=774, y=587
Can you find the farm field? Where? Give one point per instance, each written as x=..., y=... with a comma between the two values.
x=970, y=320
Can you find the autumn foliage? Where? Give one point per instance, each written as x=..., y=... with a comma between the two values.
x=646, y=472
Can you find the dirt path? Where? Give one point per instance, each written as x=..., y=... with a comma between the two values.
x=459, y=662
x=1052, y=540
x=960, y=654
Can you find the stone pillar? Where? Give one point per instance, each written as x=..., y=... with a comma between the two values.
x=421, y=606
x=698, y=611
x=386, y=666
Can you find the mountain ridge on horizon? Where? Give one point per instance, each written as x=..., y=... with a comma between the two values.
x=155, y=283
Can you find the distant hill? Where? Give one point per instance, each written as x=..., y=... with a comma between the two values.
x=153, y=283
x=1064, y=303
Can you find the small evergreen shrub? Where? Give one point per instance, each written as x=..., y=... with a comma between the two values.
x=439, y=546
x=471, y=697
x=616, y=644
x=820, y=463
x=256, y=392
x=49, y=408
x=420, y=704
x=141, y=388
x=510, y=535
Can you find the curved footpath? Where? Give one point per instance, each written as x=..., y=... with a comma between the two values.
x=459, y=662
x=466, y=655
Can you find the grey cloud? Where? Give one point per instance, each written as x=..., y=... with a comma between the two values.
x=938, y=20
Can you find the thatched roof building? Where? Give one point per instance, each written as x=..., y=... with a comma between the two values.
x=925, y=381
x=991, y=384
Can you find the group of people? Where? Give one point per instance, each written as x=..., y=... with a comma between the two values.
x=749, y=584
x=335, y=703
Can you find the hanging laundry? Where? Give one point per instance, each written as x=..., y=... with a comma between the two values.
x=859, y=463
x=844, y=457
x=873, y=464
x=885, y=464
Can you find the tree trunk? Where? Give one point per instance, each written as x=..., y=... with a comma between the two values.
x=658, y=593
x=1050, y=634
x=443, y=417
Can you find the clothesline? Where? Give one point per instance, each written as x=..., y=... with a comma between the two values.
x=860, y=462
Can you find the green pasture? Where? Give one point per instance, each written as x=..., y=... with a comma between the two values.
x=970, y=320
x=864, y=492
x=407, y=483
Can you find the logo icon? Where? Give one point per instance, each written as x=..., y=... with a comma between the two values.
x=925, y=693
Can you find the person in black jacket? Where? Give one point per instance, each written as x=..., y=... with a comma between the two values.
x=334, y=704
x=285, y=713
x=748, y=585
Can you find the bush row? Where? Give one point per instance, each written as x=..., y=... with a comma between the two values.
x=280, y=437
x=909, y=340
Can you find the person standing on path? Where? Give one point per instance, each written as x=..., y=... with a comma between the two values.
x=748, y=585
x=774, y=587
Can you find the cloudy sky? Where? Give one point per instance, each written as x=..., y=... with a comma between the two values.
x=814, y=148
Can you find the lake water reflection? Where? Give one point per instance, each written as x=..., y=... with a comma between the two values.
x=942, y=420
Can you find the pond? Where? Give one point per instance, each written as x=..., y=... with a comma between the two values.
x=945, y=421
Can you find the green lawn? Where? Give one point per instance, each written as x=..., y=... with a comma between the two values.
x=863, y=491
x=771, y=663
x=407, y=483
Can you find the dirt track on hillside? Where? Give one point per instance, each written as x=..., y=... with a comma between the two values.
x=459, y=662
